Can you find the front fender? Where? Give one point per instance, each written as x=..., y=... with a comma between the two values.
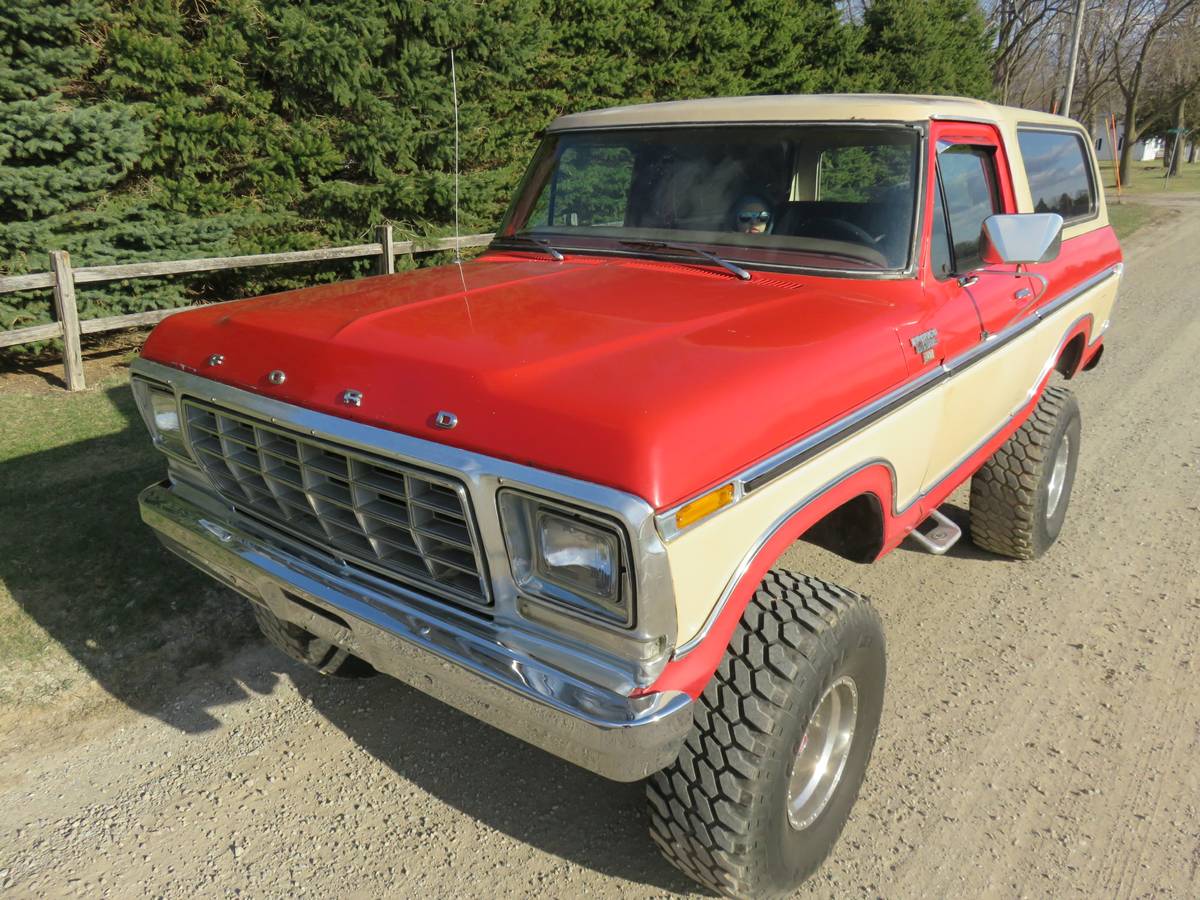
x=696, y=660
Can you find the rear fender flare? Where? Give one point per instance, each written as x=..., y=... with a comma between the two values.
x=1076, y=348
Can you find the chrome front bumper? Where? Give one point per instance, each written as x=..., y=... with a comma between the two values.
x=619, y=737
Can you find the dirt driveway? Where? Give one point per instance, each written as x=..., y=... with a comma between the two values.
x=1041, y=735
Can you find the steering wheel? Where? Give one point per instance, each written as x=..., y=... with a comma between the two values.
x=838, y=230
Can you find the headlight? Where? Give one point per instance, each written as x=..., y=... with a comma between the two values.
x=160, y=411
x=567, y=556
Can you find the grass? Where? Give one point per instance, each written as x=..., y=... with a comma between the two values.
x=1147, y=178
x=1147, y=181
x=87, y=595
x=1126, y=218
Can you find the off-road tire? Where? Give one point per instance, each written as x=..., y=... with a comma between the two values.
x=1009, y=495
x=719, y=812
x=305, y=647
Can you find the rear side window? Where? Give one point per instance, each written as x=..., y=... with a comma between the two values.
x=1059, y=173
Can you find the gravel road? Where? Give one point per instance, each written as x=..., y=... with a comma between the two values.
x=1041, y=735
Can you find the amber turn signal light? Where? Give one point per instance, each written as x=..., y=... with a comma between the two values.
x=703, y=506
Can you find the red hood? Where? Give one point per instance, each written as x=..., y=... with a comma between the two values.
x=656, y=378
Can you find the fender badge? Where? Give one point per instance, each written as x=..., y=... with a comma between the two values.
x=352, y=398
x=924, y=344
x=217, y=359
x=445, y=419
x=277, y=376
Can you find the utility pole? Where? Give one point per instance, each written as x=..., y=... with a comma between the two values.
x=1078, y=30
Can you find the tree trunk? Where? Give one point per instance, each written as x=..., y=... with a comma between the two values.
x=1129, y=125
x=1177, y=138
x=1087, y=115
x=1192, y=152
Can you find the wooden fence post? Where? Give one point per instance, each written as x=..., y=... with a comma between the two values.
x=62, y=279
x=68, y=317
x=387, y=256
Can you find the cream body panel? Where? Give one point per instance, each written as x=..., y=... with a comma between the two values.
x=980, y=399
x=704, y=558
x=922, y=442
x=983, y=397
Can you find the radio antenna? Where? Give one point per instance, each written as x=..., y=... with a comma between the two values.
x=454, y=91
x=457, y=240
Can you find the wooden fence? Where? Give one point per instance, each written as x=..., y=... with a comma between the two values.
x=62, y=278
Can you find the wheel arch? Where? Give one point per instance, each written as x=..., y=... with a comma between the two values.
x=854, y=531
x=1076, y=349
x=856, y=495
x=1070, y=357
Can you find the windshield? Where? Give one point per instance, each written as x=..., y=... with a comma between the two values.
x=830, y=197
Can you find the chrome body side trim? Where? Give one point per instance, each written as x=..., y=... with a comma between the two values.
x=637, y=653
x=1029, y=395
x=456, y=661
x=744, y=565
x=784, y=461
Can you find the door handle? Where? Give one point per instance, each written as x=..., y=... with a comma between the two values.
x=1022, y=294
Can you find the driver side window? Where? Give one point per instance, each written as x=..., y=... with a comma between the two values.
x=969, y=186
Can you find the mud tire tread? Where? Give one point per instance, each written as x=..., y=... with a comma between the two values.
x=706, y=807
x=1005, y=492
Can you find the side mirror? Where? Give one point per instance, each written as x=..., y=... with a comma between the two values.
x=1021, y=238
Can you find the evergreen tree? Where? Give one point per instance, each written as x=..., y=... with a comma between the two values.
x=153, y=129
x=63, y=158
x=331, y=116
x=801, y=48
x=929, y=46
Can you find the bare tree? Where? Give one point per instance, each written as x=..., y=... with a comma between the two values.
x=1174, y=82
x=1020, y=28
x=1123, y=53
x=1140, y=26
x=1094, y=82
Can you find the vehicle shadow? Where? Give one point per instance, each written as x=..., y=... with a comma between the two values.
x=497, y=780
x=80, y=573
x=83, y=575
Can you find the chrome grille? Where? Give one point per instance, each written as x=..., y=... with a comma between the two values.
x=408, y=523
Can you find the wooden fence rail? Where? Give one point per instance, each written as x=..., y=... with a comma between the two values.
x=62, y=278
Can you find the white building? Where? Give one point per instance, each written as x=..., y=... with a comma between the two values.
x=1143, y=151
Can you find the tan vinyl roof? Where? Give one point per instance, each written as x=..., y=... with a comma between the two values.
x=805, y=108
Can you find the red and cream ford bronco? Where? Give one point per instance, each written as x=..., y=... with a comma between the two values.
x=550, y=485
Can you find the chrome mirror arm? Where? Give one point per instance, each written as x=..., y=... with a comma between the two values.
x=972, y=277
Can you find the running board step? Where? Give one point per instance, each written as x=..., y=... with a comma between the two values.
x=941, y=537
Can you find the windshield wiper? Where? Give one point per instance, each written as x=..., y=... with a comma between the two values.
x=537, y=242
x=670, y=245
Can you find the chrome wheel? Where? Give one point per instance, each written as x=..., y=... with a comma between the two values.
x=822, y=754
x=1058, y=476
